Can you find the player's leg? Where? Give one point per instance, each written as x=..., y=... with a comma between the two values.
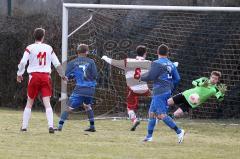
x=178, y=113
x=32, y=91
x=162, y=110
x=88, y=108
x=27, y=114
x=46, y=91
x=74, y=101
x=180, y=100
x=151, y=121
x=132, y=105
x=49, y=113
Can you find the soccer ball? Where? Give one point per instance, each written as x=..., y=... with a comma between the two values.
x=194, y=98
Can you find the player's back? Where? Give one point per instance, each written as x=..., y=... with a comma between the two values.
x=83, y=70
x=39, y=57
x=134, y=67
x=168, y=79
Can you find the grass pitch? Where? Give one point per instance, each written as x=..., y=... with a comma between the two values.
x=204, y=140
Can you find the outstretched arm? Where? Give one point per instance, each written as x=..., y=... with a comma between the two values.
x=117, y=63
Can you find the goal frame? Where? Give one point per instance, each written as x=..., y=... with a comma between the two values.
x=67, y=6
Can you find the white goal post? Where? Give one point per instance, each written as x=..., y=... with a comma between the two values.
x=67, y=6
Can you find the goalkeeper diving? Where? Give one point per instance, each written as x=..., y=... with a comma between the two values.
x=204, y=88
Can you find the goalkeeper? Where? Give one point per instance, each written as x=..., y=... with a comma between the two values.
x=203, y=90
x=133, y=67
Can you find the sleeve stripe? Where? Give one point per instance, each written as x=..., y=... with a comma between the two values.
x=27, y=50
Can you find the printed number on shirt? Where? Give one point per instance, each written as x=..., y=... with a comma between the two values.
x=169, y=70
x=42, y=58
x=137, y=73
x=83, y=67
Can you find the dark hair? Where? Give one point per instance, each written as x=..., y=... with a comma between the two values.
x=216, y=73
x=38, y=34
x=82, y=48
x=162, y=49
x=141, y=50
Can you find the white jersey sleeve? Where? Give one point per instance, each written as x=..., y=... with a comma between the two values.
x=55, y=60
x=23, y=62
x=117, y=63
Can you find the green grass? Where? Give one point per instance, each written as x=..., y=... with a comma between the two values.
x=204, y=140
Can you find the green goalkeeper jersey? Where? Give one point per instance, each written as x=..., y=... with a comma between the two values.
x=204, y=92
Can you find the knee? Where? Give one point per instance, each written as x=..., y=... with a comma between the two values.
x=87, y=107
x=69, y=110
x=152, y=115
x=170, y=102
x=161, y=116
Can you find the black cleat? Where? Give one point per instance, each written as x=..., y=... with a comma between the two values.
x=135, y=125
x=90, y=129
x=23, y=130
x=51, y=130
x=57, y=129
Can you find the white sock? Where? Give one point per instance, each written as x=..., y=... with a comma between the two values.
x=132, y=116
x=49, y=114
x=26, y=117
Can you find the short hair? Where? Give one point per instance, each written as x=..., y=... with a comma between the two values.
x=216, y=73
x=141, y=50
x=38, y=34
x=163, y=49
x=82, y=48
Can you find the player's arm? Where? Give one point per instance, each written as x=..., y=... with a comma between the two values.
x=155, y=71
x=94, y=73
x=70, y=70
x=200, y=82
x=220, y=91
x=22, y=65
x=175, y=76
x=57, y=65
x=117, y=63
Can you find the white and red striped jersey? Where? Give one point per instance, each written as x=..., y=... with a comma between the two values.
x=40, y=57
x=132, y=67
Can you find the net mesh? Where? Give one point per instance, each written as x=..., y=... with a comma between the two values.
x=200, y=41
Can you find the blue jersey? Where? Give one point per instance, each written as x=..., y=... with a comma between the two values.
x=164, y=75
x=84, y=71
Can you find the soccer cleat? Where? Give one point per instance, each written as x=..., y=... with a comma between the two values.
x=90, y=129
x=51, y=130
x=23, y=130
x=147, y=139
x=57, y=129
x=181, y=136
x=135, y=125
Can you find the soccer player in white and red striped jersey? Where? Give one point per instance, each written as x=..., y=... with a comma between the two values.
x=40, y=57
x=133, y=68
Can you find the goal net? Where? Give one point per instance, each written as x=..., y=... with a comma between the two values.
x=201, y=41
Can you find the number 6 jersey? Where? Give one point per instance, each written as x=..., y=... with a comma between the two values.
x=40, y=57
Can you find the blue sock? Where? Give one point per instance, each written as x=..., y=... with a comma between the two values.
x=151, y=125
x=63, y=117
x=170, y=123
x=90, y=117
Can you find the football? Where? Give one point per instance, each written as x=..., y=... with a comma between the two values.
x=194, y=98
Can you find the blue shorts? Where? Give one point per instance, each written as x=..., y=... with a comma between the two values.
x=159, y=103
x=76, y=101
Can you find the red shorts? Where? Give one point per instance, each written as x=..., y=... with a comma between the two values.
x=132, y=99
x=39, y=82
